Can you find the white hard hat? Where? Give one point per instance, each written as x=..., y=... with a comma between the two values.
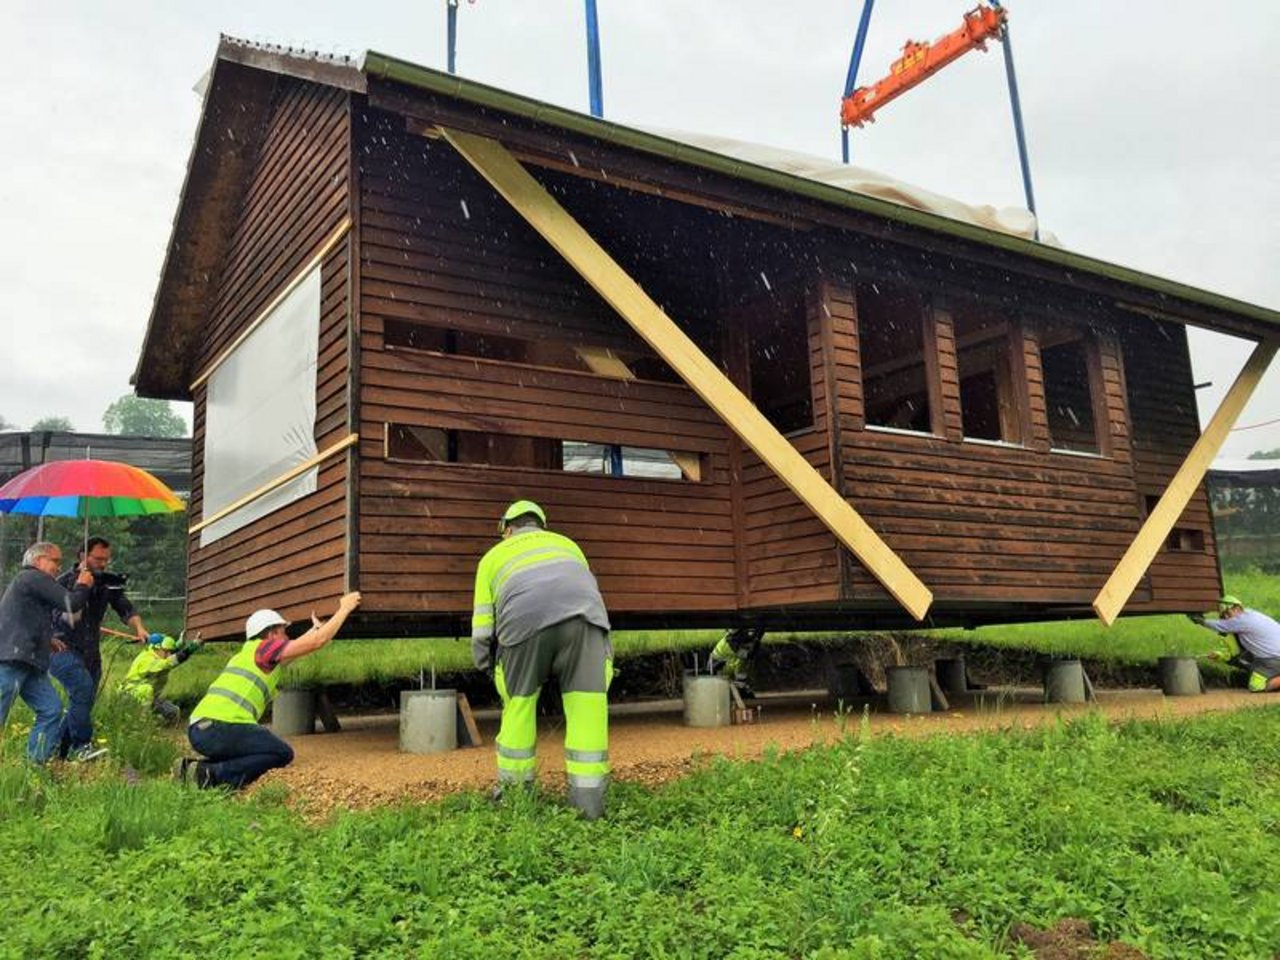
x=262, y=620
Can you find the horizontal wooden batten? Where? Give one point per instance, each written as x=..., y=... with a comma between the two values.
x=279, y=481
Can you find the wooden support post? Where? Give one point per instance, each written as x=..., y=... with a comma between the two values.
x=528, y=197
x=1120, y=586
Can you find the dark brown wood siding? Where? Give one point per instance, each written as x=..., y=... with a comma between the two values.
x=789, y=554
x=442, y=250
x=295, y=198
x=1165, y=425
x=981, y=522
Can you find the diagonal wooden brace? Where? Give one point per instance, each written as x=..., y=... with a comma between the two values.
x=1120, y=586
x=492, y=160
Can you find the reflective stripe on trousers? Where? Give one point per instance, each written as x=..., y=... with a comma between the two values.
x=586, y=738
x=518, y=734
x=586, y=726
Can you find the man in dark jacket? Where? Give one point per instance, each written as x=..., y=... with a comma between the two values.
x=26, y=634
x=77, y=646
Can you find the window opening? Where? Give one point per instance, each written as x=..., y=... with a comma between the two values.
x=1068, y=392
x=437, y=445
x=415, y=444
x=406, y=334
x=780, y=375
x=1185, y=540
x=988, y=393
x=895, y=382
x=1180, y=539
x=616, y=460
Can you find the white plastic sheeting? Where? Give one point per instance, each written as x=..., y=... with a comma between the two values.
x=1012, y=220
x=260, y=413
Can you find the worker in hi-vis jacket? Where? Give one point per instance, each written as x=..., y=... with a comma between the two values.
x=538, y=612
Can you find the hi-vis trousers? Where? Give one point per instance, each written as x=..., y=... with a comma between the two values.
x=579, y=655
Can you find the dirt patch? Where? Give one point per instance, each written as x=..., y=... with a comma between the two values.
x=362, y=766
x=1070, y=939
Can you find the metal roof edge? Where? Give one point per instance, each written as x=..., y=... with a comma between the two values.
x=380, y=66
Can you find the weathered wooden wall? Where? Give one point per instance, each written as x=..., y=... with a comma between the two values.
x=980, y=522
x=295, y=197
x=441, y=250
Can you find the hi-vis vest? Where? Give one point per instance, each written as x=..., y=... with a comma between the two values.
x=241, y=692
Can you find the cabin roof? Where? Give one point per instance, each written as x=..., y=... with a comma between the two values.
x=237, y=96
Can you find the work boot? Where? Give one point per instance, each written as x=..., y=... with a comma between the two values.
x=511, y=788
x=589, y=801
x=182, y=769
x=86, y=753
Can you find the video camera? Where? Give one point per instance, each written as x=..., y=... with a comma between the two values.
x=111, y=580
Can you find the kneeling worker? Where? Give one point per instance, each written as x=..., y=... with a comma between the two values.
x=224, y=725
x=735, y=657
x=1259, y=639
x=149, y=672
x=538, y=612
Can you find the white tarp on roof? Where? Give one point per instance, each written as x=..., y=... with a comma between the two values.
x=1012, y=220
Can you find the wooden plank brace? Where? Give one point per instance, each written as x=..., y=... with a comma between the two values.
x=1155, y=531
x=528, y=198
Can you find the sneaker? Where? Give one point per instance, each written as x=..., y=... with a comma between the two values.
x=86, y=753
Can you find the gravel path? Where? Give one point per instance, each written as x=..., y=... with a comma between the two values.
x=362, y=766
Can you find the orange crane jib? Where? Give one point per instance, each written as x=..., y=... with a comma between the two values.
x=920, y=61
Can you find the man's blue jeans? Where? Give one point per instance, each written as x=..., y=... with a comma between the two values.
x=81, y=686
x=32, y=684
x=239, y=753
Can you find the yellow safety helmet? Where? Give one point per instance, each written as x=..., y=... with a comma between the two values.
x=519, y=509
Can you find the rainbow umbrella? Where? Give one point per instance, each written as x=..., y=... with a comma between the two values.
x=87, y=488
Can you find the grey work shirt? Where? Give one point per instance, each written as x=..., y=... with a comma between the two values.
x=26, y=616
x=534, y=579
x=1258, y=634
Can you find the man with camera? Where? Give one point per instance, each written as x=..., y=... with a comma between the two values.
x=77, y=650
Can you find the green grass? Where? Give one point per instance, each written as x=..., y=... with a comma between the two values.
x=1130, y=639
x=1163, y=835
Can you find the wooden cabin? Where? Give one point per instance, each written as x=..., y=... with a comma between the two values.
x=400, y=300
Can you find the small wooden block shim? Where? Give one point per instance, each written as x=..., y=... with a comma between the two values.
x=468, y=732
x=324, y=710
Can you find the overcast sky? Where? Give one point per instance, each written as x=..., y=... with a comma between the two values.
x=1153, y=130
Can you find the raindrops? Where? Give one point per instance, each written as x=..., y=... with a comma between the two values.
x=465, y=212
x=765, y=280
